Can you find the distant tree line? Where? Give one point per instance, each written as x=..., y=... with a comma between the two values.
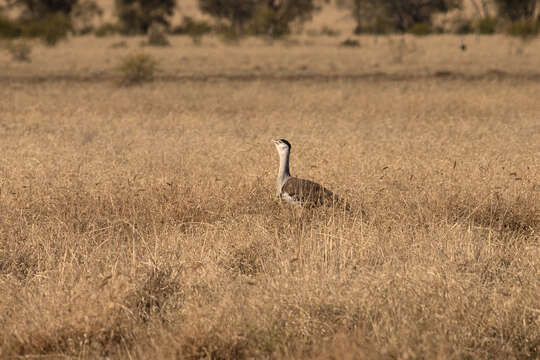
x=269, y=17
x=385, y=16
x=400, y=15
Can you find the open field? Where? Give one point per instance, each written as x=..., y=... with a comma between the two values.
x=142, y=222
x=96, y=59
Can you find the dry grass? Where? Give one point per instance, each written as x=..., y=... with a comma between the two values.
x=96, y=59
x=140, y=222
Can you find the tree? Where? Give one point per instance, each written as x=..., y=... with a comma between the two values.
x=274, y=17
x=518, y=9
x=238, y=12
x=49, y=20
x=271, y=17
x=136, y=16
x=83, y=14
x=400, y=14
x=35, y=9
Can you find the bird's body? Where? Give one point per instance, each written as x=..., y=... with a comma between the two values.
x=300, y=191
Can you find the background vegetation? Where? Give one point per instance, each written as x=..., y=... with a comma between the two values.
x=271, y=18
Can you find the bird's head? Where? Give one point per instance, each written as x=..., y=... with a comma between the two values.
x=282, y=145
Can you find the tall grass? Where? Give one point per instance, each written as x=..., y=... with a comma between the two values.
x=141, y=222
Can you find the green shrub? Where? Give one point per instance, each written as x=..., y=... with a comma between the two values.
x=420, y=29
x=523, y=28
x=107, y=29
x=8, y=28
x=486, y=26
x=50, y=29
x=136, y=69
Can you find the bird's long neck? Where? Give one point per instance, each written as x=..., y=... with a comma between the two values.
x=283, y=173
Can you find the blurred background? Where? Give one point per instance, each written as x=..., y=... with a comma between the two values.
x=53, y=20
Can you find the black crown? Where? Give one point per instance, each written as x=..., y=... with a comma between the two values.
x=285, y=142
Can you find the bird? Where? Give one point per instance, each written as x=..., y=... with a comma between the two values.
x=298, y=191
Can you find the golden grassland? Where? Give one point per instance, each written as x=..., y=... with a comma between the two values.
x=90, y=58
x=141, y=222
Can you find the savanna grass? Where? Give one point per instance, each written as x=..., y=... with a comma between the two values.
x=141, y=222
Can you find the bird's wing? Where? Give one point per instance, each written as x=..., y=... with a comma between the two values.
x=307, y=191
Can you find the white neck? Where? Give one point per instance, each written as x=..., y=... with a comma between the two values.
x=283, y=173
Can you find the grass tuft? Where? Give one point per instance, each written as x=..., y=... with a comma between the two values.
x=137, y=69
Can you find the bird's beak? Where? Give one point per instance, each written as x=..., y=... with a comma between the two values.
x=274, y=141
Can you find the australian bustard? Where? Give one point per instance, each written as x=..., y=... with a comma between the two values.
x=300, y=191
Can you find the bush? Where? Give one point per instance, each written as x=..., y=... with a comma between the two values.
x=107, y=29
x=523, y=28
x=193, y=28
x=9, y=29
x=136, y=16
x=51, y=29
x=486, y=26
x=137, y=69
x=420, y=29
